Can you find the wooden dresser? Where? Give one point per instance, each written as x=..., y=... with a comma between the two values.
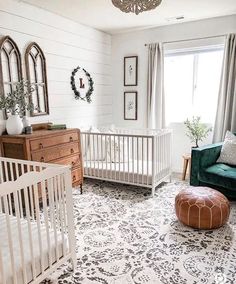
x=49, y=146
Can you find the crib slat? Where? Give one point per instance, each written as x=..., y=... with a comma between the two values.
x=37, y=215
x=98, y=160
x=9, y=198
x=57, y=219
x=60, y=192
x=128, y=155
x=153, y=164
x=90, y=154
x=51, y=190
x=6, y=171
x=22, y=256
x=11, y=172
x=133, y=157
x=28, y=217
x=46, y=219
x=2, y=268
x=94, y=162
x=142, y=161
x=106, y=142
x=1, y=172
x=102, y=155
x=138, y=180
x=119, y=151
x=85, y=152
x=124, y=165
x=110, y=171
x=114, y=149
x=9, y=237
x=64, y=202
x=147, y=160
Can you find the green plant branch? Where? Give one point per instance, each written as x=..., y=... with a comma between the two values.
x=196, y=131
x=18, y=101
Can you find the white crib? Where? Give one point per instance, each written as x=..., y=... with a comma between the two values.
x=137, y=157
x=36, y=220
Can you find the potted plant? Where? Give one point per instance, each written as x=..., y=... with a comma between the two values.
x=16, y=103
x=196, y=130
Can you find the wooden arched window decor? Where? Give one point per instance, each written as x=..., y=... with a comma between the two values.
x=10, y=65
x=36, y=74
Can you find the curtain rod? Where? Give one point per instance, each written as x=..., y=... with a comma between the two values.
x=190, y=39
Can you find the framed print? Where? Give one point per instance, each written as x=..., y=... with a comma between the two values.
x=131, y=71
x=130, y=105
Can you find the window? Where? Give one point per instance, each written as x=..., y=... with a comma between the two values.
x=192, y=84
x=36, y=74
x=10, y=65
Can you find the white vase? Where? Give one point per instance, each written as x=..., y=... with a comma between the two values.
x=14, y=125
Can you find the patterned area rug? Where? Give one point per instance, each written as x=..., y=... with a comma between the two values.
x=126, y=237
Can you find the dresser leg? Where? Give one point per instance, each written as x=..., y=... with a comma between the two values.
x=81, y=189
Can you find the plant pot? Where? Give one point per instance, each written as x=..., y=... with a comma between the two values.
x=14, y=125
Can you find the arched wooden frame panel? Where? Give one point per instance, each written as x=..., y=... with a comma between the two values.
x=10, y=65
x=36, y=74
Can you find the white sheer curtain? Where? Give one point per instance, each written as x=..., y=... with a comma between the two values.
x=226, y=109
x=155, y=88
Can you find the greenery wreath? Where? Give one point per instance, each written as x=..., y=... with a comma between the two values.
x=78, y=96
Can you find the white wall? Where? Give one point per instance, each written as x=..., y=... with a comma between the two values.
x=133, y=44
x=66, y=45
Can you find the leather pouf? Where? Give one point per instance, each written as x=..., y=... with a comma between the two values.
x=202, y=208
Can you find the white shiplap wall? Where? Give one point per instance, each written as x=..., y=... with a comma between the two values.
x=66, y=45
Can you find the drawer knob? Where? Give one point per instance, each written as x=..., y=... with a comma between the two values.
x=42, y=159
x=71, y=139
x=40, y=145
x=72, y=151
x=74, y=178
x=73, y=163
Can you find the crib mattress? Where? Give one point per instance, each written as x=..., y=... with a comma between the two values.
x=26, y=242
x=135, y=171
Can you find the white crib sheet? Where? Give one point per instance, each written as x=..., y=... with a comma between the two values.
x=134, y=172
x=27, y=256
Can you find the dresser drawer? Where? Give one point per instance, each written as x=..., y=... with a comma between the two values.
x=73, y=161
x=53, y=141
x=55, y=153
x=76, y=175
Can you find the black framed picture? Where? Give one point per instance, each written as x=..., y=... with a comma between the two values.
x=131, y=71
x=130, y=105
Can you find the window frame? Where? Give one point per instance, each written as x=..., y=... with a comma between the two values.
x=15, y=50
x=44, y=76
x=195, y=52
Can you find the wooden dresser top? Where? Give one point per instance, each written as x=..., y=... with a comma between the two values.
x=40, y=133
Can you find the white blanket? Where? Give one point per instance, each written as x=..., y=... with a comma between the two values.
x=134, y=171
x=4, y=245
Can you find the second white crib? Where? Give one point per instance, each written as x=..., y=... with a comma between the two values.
x=137, y=157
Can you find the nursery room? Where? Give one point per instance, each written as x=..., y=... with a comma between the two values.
x=117, y=141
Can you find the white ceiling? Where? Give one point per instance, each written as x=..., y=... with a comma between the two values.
x=102, y=15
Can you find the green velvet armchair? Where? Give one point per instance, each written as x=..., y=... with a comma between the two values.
x=206, y=172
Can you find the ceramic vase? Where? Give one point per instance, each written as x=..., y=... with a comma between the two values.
x=14, y=125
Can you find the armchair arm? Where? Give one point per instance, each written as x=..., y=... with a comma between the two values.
x=202, y=158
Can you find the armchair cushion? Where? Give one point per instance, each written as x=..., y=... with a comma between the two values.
x=228, y=151
x=220, y=175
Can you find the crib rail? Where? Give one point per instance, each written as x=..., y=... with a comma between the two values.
x=132, y=157
x=36, y=216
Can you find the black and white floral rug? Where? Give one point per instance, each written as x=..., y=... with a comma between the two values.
x=124, y=236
